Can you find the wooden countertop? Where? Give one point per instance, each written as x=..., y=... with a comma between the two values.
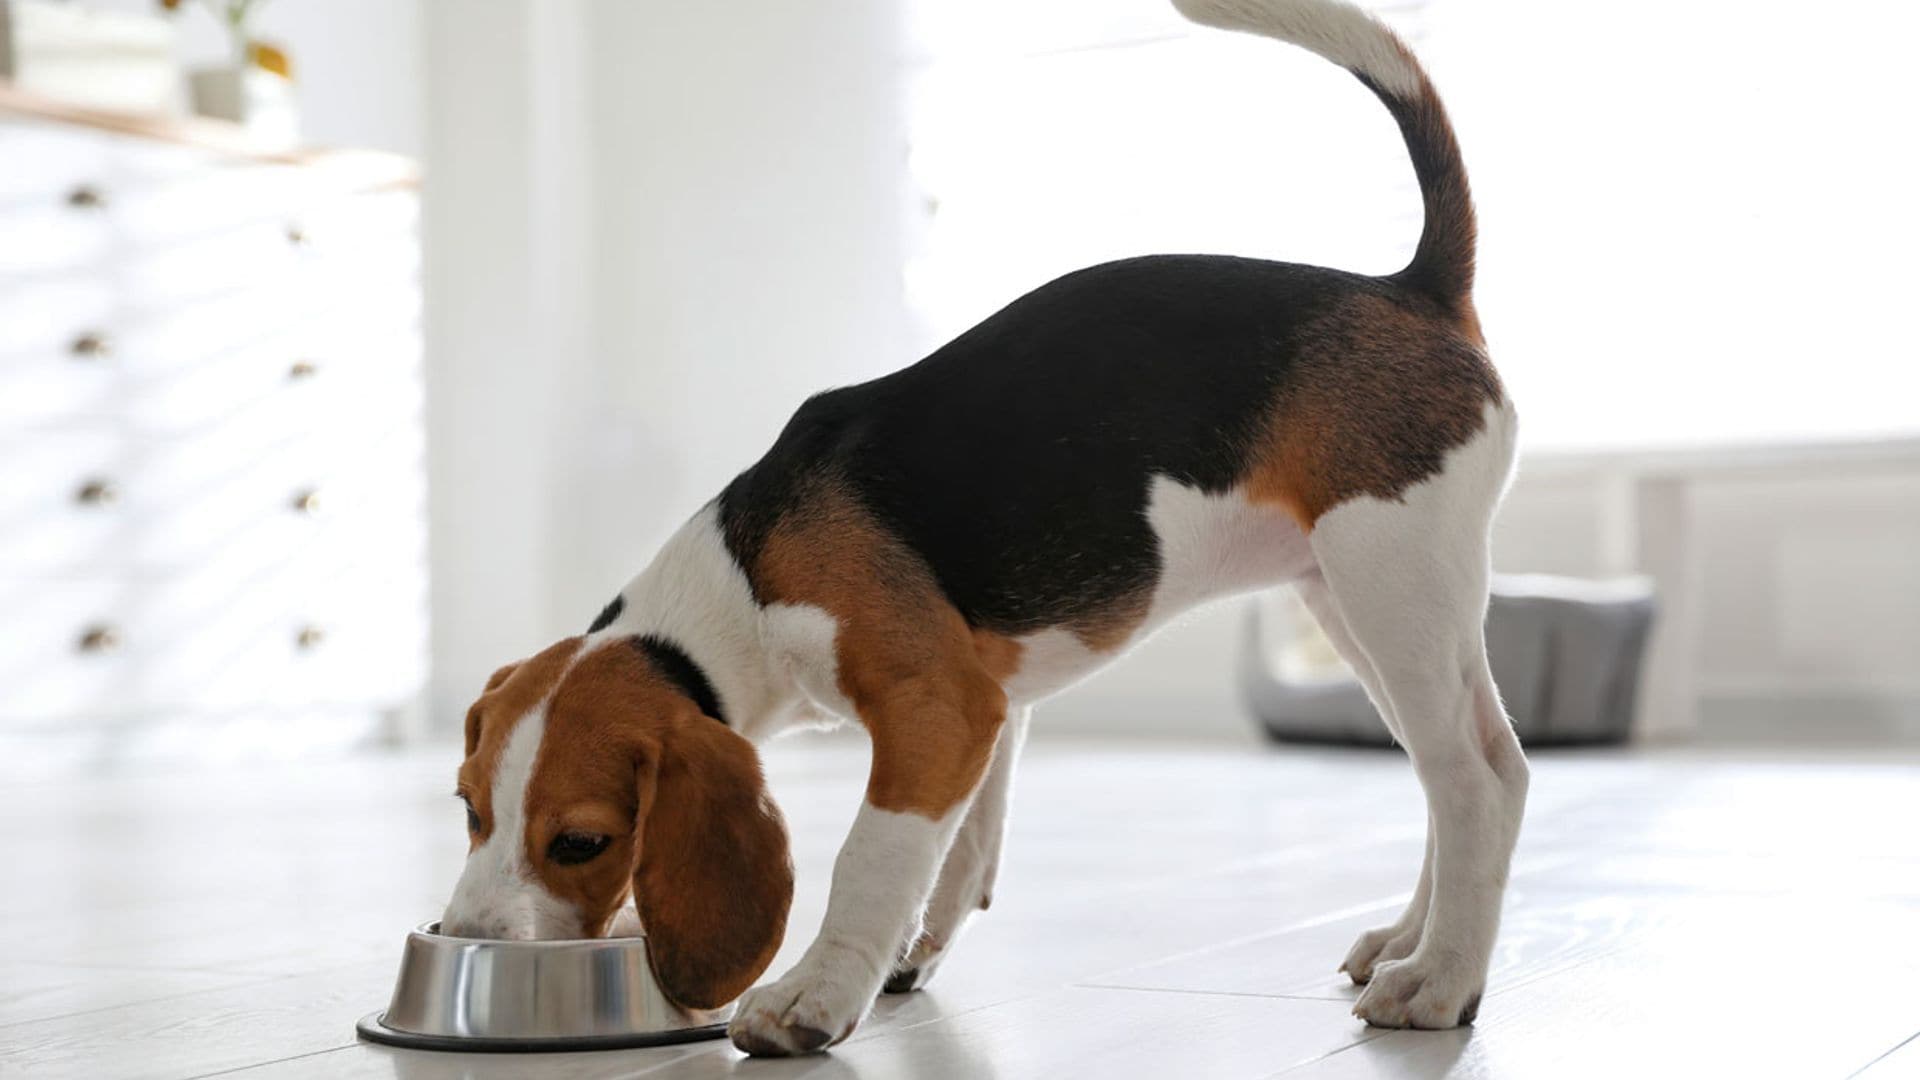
x=217, y=136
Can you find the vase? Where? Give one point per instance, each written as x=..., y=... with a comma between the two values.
x=258, y=100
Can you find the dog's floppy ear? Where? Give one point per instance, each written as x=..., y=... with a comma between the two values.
x=713, y=880
x=506, y=672
x=473, y=713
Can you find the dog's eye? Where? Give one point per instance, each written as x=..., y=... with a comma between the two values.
x=473, y=816
x=572, y=848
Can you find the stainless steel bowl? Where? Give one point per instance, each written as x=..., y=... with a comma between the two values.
x=473, y=995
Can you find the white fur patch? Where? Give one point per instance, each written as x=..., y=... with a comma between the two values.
x=881, y=883
x=498, y=896
x=799, y=638
x=695, y=595
x=1336, y=31
x=1210, y=546
x=1217, y=545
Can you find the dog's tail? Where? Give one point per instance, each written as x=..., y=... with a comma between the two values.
x=1442, y=265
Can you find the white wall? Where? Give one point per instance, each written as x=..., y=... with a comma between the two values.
x=748, y=171
x=652, y=231
x=497, y=355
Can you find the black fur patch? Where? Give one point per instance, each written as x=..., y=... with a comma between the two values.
x=678, y=668
x=1016, y=459
x=607, y=614
x=1442, y=265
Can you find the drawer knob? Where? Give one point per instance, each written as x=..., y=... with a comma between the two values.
x=86, y=197
x=91, y=346
x=310, y=637
x=303, y=369
x=99, y=492
x=307, y=501
x=100, y=638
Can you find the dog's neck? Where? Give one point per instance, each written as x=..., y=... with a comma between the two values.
x=694, y=596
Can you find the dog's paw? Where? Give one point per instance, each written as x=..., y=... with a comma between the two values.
x=807, y=1010
x=1419, y=993
x=1378, y=946
x=905, y=980
x=965, y=886
x=916, y=968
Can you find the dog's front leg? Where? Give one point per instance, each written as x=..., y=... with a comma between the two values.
x=973, y=862
x=931, y=745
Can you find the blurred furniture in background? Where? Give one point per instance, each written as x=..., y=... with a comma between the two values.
x=1565, y=652
x=1789, y=594
x=80, y=54
x=212, y=506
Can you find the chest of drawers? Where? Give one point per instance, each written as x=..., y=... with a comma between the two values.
x=212, y=496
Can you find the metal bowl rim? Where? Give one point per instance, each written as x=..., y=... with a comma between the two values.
x=430, y=931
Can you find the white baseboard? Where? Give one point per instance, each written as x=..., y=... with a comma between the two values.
x=1809, y=719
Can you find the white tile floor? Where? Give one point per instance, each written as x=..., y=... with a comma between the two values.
x=1166, y=911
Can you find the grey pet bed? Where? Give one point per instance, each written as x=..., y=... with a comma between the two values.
x=1565, y=652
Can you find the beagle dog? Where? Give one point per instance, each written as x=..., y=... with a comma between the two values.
x=933, y=552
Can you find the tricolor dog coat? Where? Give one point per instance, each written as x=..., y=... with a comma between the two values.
x=931, y=553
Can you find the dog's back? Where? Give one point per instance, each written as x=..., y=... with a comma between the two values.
x=1017, y=463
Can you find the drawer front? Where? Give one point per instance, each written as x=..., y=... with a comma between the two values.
x=51, y=237
x=364, y=638
x=61, y=652
x=287, y=640
x=232, y=264
x=39, y=159
x=187, y=373
x=322, y=452
x=56, y=350
x=342, y=252
x=88, y=500
x=164, y=196
x=60, y=493
x=209, y=644
x=54, y=199
x=66, y=194
x=68, y=351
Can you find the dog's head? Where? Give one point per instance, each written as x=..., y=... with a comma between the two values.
x=591, y=776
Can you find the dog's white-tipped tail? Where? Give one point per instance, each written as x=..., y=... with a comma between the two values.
x=1442, y=265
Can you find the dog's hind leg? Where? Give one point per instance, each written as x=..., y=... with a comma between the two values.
x=1397, y=939
x=1408, y=579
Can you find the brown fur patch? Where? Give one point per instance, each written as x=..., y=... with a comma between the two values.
x=511, y=693
x=1116, y=625
x=925, y=684
x=695, y=837
x=1378, y=394
x=999, y=655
